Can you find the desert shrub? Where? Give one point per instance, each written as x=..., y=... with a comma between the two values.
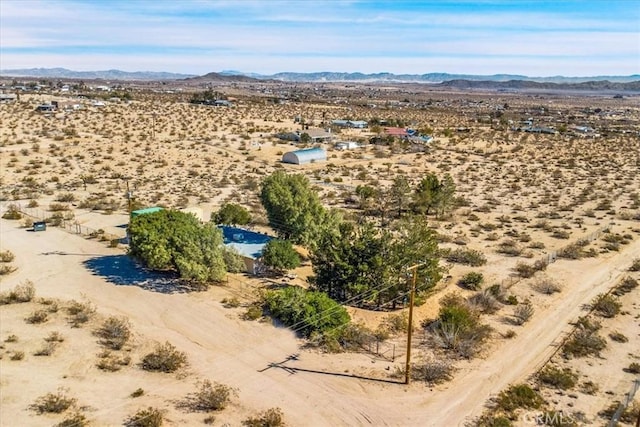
x=458, y=328
x=231, y=302
x=522, y=313
x=627, y=285
x=17, y=355
x=584, y=342
x=560, y=234
x=38, y=316
x=633, y=368
x=137, y=393
x=253, y=312
x=114, y=333
x=563, y=379
x=7, y=256
x=525, y=270
x=54, y=336
x=11, y=338
x=209, y=397
x=471, y=257
x=47, y=349
x=396, y=322
x=558, y=419
x=589, y=387
x=509, y=247
x=498, y=292
x=491, y=420
x=618, y=337
x=572, y=251
x=23, y=292
x=484, y=302
x=76, y=419
x=12, y=213
x=519, y=396
x=6, y=269
x=58, y=207
x=270, y=418
x=306, y=311
x=165, y=358
x=432, y=371
x=80, y=312
x=606, y=305
x=65, y=197
x=628, y=416
x=635, y=265
x=509, y=333
x=546, y=286
x=150, y=417
x=53, y=403
x=353, y=336
x=112, y=362
x=471, y=281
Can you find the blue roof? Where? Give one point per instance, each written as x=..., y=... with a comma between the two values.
x=248, y=243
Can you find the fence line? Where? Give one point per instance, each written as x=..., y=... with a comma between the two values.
x=552, y=256
x=69, y=225
x=625, y=403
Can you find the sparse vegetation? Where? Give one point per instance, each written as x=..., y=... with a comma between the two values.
x=563, y=379
x=165, y=358
x=270, y=418
x=150, y=417
x=23, y=292
x=472, y=281
x=606, y=305
x=114, y=333
x=53, y=403
x=209, y=397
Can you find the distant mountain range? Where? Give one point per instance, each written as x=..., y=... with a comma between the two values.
x=63, y=73
x=327, y=76
x=230, y=75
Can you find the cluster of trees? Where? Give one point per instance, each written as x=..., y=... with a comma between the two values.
x=231, y=214
x=430, y=195
x=177, y=241
x=364, y=265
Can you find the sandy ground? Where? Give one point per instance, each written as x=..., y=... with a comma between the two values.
x=226, y=349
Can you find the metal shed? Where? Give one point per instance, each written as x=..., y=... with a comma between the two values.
x=308, y=155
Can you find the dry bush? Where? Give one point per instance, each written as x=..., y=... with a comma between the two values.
x=137, y=393
x=165, y=358
x=471, y=281
x=112, y=362
x=395, y=323
x=546, y=286
x=432, y=371
x=7, y=256
x=525, y=270
x=635, y=265
x=618, y=337
x=606, y=305
x=76, y=419
x=6, y=269
x=53, y=403
x=270, y=418
x=38, y=316
x=633, y=368
x=485, y=302
x=563, y=379
x=627, y=285
x=17, y=355
x=54, y=337
x=150, y=417
x=520, y=396
x=23, y=292
x=114, y=333
x=80, y=312
x=47, y=349
x=471, y=257
x=584, y=342
x=522, y=313
x=209, y=397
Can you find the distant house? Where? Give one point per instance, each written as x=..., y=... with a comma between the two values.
x=247, y=243
x=319, y=135
x=308, y=155
x=347, y=145
x=356, y=124
x=8, y=97
x=396, y=132
x=46, y=108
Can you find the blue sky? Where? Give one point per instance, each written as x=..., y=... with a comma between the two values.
x=535, y=38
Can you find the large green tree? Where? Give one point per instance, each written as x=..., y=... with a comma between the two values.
x=280, y=255
x=294, y=210
x=434, y=195
x=366, y=265
x=173, y=240
x=231, y=214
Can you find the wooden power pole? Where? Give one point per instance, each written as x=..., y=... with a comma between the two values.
x=407, y=368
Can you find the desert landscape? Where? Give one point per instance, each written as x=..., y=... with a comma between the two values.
x=539, y=246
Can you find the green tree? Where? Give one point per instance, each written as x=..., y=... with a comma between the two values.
x=307, y=312
x=294, y=210
x=425, y=197
x=231, y=214
x=280, y=255
x=399, y=193
x=305, y=138
x=173, y=240
x=363, y=264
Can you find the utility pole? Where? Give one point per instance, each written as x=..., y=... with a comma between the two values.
x=407, y=368
x=129, y=197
